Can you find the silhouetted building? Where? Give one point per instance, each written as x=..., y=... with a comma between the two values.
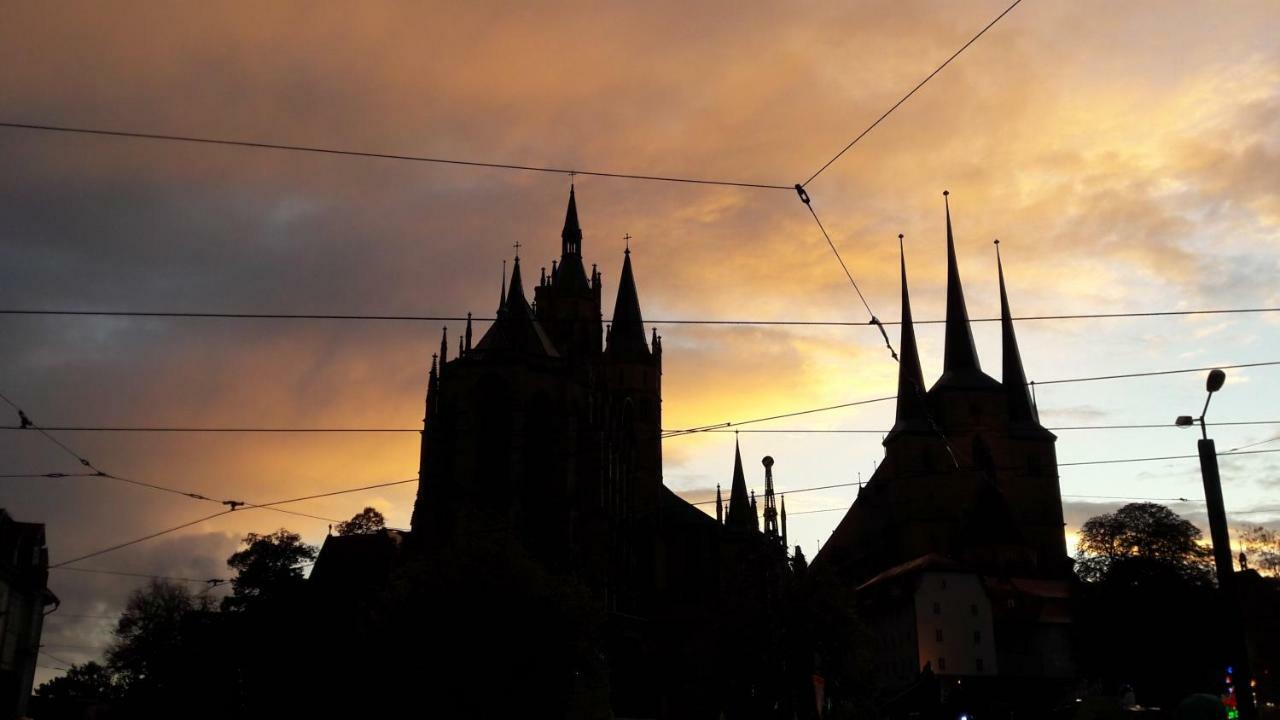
x=956, y=544
x=24, y=594
x=547, y=432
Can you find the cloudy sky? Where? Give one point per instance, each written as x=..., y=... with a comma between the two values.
x=1125, y=154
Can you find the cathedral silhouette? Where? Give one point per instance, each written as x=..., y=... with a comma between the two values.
x=546, y=434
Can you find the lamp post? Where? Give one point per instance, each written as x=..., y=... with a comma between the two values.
x=1221, y=539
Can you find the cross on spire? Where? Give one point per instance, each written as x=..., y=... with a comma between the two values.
x=517, y=247
x=627, y=239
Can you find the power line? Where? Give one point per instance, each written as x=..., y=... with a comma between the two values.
x=804, y=198
x=1162, y=457
x=1155, y=372
x=671, y=321
x=886, y=114
x=405, y=430
x=28, y=424
x=124, y=573
x=337, y=492
x=725, y=425
x=57, y=659
x=381, y=156
x=152, y=536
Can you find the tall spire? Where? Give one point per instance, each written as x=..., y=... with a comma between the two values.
x=468, y=344
x=571, y=236
x=515, y=294
x=444, y=345
x=960, y=354
x=740, y=515
x=911, y=409
x=570, y=276
x=719, y=505
x=1013, y=377
x=627, y=336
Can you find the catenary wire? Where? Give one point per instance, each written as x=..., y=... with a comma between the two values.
x=152, y=536
x=888, y=112
x=380, y=156
x=670, y=321
x=725, y=425
x=405, y=430
x=125, y=573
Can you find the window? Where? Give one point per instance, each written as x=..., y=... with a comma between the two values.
x=937, y=608
x=938, y=634
x=979, y=664
x=942, y=663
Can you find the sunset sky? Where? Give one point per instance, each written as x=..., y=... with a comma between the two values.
x=1127, y=155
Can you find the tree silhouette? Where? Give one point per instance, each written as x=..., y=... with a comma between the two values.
x=73, y=694
x=1144, y=615
x=268, y=566
x=148, y=635
x=1140, y=541
x=1262, y=548
x=365, y=522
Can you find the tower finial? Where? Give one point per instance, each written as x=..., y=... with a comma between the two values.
x=959, y=353
x=627, y=239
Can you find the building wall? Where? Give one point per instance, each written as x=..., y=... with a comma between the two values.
x=954, y=626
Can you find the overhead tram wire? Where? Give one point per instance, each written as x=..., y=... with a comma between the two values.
x=673, y=321
x=266, y=506
x=906, y=97
x=408, y=430
x=225, y=142
x=28, y=424
x=726, y=425
x=125, y=573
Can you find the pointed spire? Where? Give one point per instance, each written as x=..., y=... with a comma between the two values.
x=468, y=345
x=719, y=505
x=1013, y=377
x=515, y=294
x=444, y=345
x=784, y=521
x=571, y=236
x=740, y=514
x=911, y=408
x=502, y=295
x=960, y=354
x=627, y=337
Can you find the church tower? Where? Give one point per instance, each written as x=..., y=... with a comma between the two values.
x=568, y=301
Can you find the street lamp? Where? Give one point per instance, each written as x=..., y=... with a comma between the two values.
x=1222, y=546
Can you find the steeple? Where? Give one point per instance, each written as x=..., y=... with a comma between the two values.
x=515, y=329
x=741, y=515
x=960, y=354
x=784, y=522
x=1013, y=377
x=468, y=344
x=627, y=334
x=570, y=277
x=515, y=294
x=719, y=505
x=444, y=346
x=911, y=408
x=571, y=236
